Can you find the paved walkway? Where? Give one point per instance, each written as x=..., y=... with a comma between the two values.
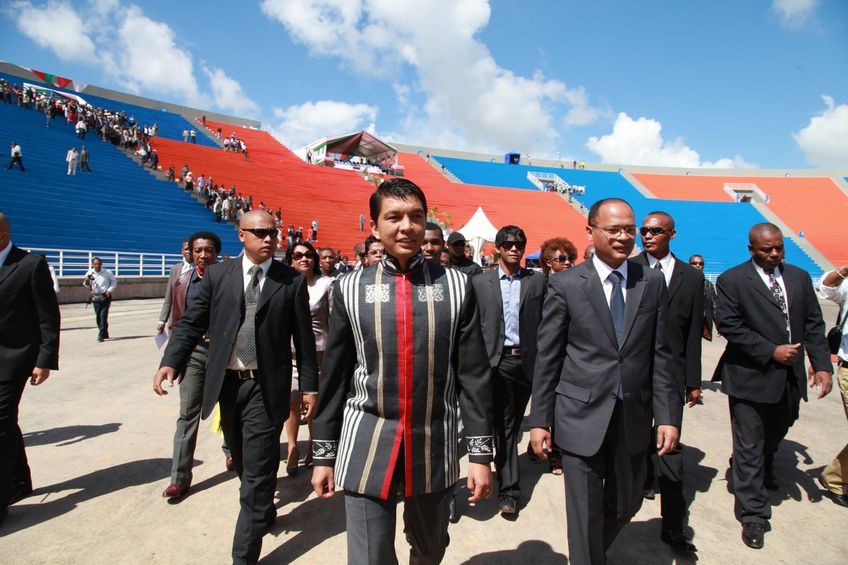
x=99, y=443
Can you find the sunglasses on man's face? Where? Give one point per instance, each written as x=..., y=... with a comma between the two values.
x=298, y=255
x=262, y=233
x=564, y=258
x=510, y=244
x=653, y=231
x=693, y=263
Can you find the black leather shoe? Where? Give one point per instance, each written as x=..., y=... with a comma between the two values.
x=507, y=505
x=678, y=541
x=753, y=534
x=840, y=499
x=649, y=494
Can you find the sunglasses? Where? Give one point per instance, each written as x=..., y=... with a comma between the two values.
x=564, y=258
x=701, y=263
x=510, y=244
x=298, y=255
x=262, y=233
x=653, y=231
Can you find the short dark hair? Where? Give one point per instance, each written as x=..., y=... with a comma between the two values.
x=596, y=207
x=330, y=249
x=661, y=213
x=701, y=257
x=369, y=241
x=433, y=226
x=316, y=268
x=509, y=232
x=213, y=237
x=762, y=227
x=398, y=188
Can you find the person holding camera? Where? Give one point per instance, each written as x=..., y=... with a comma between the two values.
x=102, y=283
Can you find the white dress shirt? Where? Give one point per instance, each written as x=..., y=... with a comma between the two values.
x=604, y=271
x=4, y=253
x=667, y=263
x=778, y=276
x=103, y=282
x=838, y=294
x=236, y=364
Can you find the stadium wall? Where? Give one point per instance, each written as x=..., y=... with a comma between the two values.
x=71, y=290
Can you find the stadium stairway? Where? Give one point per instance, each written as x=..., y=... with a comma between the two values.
x=716, y=230
x=812, y=205
x=117, y=207
x=170, y=125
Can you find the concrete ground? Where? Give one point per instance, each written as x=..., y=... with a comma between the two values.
x=99, y=444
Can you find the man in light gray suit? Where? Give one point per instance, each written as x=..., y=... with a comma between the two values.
x=173, y=275
x=604, y=375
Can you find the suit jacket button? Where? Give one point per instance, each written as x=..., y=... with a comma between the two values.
x=614, y=396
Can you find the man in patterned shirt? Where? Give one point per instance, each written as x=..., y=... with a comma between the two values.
x=404, y=353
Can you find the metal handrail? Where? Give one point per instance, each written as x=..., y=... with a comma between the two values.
x=75, y=262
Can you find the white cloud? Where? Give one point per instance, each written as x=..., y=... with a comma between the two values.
x=56, y=26
x=640, y=142
x=460, y=92
x=824, y=140
x=141, y=54
x=793, y=14
x=228, y=93
x=298, y=125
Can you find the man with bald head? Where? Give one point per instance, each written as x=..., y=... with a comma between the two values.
x=768, y=312
x=250, y=308
x=29, y=350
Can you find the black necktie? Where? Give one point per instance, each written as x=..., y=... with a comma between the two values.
x=779, y=296
x=617, y=304
x=245, y=349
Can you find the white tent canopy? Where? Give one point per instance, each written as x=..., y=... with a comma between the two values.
x=477, y=231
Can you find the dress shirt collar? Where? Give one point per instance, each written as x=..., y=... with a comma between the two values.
x=4, y=253
x=667, y=261
x=604, y=270
x=502, y=274
x=186, y=266
x=246, y=264
x=762, y=272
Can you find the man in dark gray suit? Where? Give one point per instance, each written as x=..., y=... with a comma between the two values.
x=510, y=301
x=251, y=309
x=604, y=375
x=769, y=314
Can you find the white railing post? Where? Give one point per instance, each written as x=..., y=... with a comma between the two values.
x=141, y=264
x=117, y=265
x=162, y=272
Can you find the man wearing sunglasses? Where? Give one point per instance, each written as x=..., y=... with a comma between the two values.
x=250, y=309
x=456, y=246
x=697, y=261
x=604, y=375
x=684, y=323
x=510, y=300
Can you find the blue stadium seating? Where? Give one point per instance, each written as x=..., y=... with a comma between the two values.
x=716, y=230
x=118, y=207
x=170, y=125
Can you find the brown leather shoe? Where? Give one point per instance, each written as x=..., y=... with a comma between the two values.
x=176, y=491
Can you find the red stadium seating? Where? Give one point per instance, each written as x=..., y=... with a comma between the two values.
x=814, y=205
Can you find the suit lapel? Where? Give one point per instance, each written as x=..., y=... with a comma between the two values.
x=271, y=286
x=524, y=280
x=760, y=286
x=237, y=277
x=11, y=262
x=595, y=295
x=635, y=290
x=495, y=284
x=677, y=276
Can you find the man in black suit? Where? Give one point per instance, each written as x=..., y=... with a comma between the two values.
x=604, y=375
x=510, y=300
x=697, y=261
x=253, y=308
x=29, y=349
x=684, y=323
x=769, y=314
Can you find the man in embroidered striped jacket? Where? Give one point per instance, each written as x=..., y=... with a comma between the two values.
x=405, y=352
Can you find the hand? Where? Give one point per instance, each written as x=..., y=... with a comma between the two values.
x=162, y=375
x=39, y=375
x=540, y=439
x=821, y=380
x=693, y=396
x=323, y=481
x=667, y=437
x=160, y=327
x=479, y=482
x=309, y=402
x=108, y=295
x=784, y=354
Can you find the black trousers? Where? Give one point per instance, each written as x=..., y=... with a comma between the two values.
x=758, y=428
x=18, y=160
x=602, y=493
x=101, y=312
x=512, y=392
x=665, y=474
x=14, y=470
x=254, y=442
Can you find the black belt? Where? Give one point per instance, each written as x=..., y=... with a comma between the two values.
x=245, y=375
x=512, y=352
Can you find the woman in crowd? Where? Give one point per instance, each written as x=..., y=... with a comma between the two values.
x=558, y=254
x=304, y=259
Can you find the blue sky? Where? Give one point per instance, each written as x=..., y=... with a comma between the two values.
x=680, y=83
